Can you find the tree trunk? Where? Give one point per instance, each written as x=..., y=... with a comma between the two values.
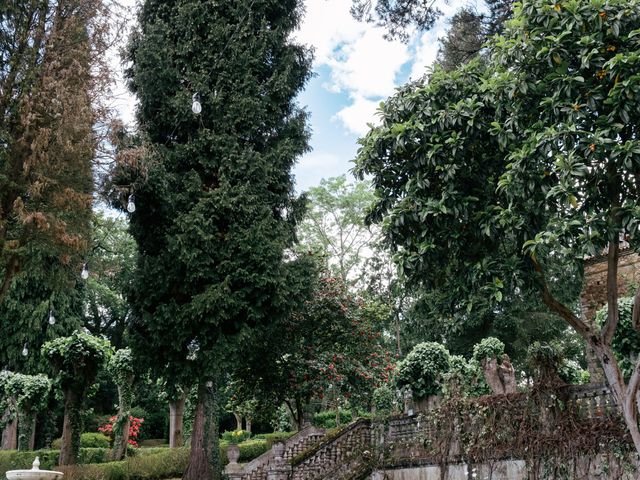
x=10, y=432
x=176, y=421
x=490, y=370
x=248, y=422
x=204, y=461
x=238, y=418
x=625, y=400
x=71, y=428
x=123, y=422
x=121, y=438
x=26, y=431
x=32, y=440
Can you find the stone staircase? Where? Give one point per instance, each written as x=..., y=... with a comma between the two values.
x=281, y=452
x=344, y=456
x=312, y=455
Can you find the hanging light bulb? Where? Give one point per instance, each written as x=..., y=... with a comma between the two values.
x=196, y=106
x=85, y=272
x=52, y=318
x=131, y=204
x=25, y=350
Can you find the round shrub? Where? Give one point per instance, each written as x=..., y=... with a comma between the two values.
x=422, y=369
x=489, y=347
x=383, y=399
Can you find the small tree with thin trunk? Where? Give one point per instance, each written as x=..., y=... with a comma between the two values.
x=121, y=369
x=76, y=359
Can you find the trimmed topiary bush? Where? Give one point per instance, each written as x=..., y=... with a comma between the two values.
x=489, y=347
x=87, y=440
x=327, y=418
x=422, y=369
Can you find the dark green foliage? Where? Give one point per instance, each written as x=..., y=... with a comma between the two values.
x=216, y=208
x=24, y=312
x=422, y=369
x=626, y=341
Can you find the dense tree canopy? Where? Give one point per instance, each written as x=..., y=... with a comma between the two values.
x=216, y=209
x=491, y=177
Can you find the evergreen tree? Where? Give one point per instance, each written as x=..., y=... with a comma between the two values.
x=50, y=52
x=215, y=208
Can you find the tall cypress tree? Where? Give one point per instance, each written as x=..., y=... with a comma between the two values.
x=215, y=204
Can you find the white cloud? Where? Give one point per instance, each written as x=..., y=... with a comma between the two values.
x=369, y=66
x=358, y=115
x=316, y=165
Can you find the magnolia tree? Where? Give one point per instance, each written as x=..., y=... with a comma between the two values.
x=490, y=176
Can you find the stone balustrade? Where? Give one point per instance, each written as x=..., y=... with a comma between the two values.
x=339, y=457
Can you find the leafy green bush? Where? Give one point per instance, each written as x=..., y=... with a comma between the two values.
x=626, y=340
x=489, y=347
x=383, y=399
x=465, y=378
x=327, y=418
x=236, y=436
x=87, y=440
x=422, y=369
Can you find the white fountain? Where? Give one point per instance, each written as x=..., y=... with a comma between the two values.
x=34, y=474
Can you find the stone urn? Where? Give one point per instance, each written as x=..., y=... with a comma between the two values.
x=233, y=453
x=34, y=474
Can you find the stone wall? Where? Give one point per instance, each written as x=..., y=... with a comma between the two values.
x=594, y=292
x=601, y=467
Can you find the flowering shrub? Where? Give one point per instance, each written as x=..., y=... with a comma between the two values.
x=134, y=429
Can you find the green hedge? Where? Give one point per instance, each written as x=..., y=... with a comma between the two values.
x=87, y=440
x=170, y=463
x=249, y=450
x=147, y=463
x=274, y=437
x=15, y=460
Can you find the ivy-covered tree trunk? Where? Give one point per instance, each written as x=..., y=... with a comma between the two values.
x=71, y=427
x=121, y=427
x=26, y=430
x=176, y=421
x=204, y=460
x=10, y=430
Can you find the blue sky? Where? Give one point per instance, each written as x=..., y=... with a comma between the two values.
x=355, y=68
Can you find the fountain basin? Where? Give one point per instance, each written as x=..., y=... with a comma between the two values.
x=34, y=474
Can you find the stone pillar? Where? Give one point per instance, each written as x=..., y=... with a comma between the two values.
x=408, y=402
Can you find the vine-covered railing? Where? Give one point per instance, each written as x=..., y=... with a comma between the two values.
x=343, y=455
x=537, y=424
